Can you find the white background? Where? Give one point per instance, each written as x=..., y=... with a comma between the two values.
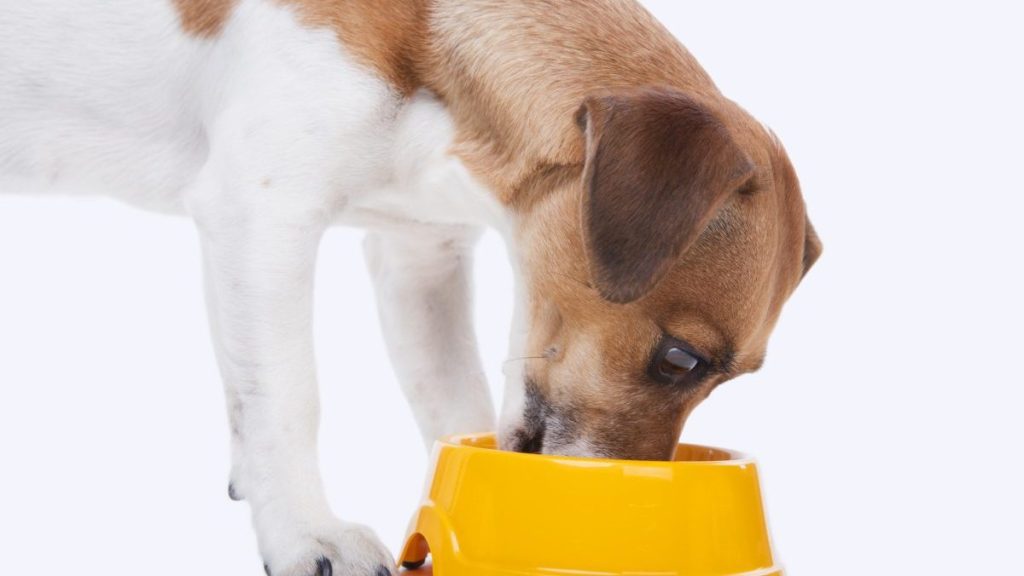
x=887, y=419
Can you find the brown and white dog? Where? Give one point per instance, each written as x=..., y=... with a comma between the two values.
x=655, y=228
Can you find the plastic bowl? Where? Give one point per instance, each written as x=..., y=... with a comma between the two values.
x=487, y=512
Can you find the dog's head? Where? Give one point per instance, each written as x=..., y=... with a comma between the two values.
x=654, y=278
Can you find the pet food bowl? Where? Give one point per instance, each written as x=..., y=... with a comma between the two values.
x=487, y=512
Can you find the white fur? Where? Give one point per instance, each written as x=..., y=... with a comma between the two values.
x=265, y=136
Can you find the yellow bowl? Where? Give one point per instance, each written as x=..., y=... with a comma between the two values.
x=488, y=512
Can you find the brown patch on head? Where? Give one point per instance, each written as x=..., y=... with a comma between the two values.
x=204, y=18
x=384, y=35
x=705, y=198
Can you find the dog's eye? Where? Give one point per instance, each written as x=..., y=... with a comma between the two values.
x=673, y=362
x=677, y=361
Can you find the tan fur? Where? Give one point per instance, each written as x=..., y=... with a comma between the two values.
x=204, y=18
x=383, y=35
x=514, y=73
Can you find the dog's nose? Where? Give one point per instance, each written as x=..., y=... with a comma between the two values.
x=523, y=440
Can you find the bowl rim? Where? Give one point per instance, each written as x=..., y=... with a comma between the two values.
x=455, y=441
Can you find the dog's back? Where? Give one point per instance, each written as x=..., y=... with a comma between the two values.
x=99, y=96
x=121, y=98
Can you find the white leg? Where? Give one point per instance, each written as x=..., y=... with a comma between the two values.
x=236, y=488
x=260, y=222
x=424, y=299
x=260, y=277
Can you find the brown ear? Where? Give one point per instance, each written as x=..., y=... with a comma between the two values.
x=812, y=246
x=659, y=166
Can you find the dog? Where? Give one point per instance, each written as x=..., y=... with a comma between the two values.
x=654, y=227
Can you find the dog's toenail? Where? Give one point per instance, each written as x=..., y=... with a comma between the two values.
x=233, y=494
x=382, y=571
x=266, y=569
x=323, y=567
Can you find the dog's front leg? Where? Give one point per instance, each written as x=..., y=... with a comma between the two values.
x=259, y=260
x=422, y=281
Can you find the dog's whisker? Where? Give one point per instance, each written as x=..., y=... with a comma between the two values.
x=525, y=358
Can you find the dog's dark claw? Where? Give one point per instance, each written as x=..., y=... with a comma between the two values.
x=323, y=567
x=233, y=494
x=382, y=571
x=414, y=564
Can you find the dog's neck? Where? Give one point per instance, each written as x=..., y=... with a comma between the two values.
x=513, y=98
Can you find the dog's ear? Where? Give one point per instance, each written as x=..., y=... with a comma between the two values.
x=659, y=166
x=812, y=246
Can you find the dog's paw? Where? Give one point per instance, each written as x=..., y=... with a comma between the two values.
x=333, y=549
